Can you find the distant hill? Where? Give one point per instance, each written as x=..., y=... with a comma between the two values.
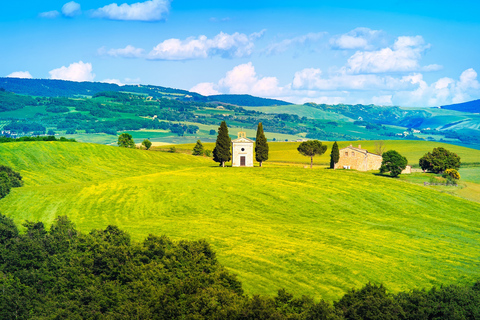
x=470, y=106
x=63, y=88
x=247, y=100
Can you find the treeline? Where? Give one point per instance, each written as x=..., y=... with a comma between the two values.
x=38, y=138
x=62, y=273
x=10, y=101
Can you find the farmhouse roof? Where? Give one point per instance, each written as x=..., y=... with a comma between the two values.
x=359, y=149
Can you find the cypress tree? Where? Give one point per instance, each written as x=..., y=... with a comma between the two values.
x=261, y=145
x=334, y=155
x=222, y=152
x=198, y=149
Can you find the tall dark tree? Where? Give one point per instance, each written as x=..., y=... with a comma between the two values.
x=393, y=162
x=334, y=155
x=198, y=149
x=311, y=148
x=222, y=152
x=439, y=160
x=261, y=145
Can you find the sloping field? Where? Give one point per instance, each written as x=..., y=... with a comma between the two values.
x=318, y=232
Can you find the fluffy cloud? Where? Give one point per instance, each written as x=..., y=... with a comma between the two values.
x=113, y=81
x=49, y=14
x=359, y=38
x=20, y=74
x=71, y=9
x=127, y=52
x=77, y=71
x=285, y=44
x=152, y=10
x=205, y=88
x=403, y=56
x=226, y=45
x=242, y=79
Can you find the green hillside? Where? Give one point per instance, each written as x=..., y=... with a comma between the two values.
x=317, y=232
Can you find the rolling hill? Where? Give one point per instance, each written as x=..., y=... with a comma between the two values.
x=318, y=232
x=470, y=106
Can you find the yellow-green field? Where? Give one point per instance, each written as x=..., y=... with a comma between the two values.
x=318, y=232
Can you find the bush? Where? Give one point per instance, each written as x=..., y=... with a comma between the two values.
x=451, y=173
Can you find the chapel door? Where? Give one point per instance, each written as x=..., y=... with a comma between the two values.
x=242, y=161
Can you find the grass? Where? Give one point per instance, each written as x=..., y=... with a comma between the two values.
x=318, y=232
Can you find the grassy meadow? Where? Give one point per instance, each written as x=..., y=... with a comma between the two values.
x=318, y=232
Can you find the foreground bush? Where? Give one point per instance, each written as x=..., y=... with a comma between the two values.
x=63, y=273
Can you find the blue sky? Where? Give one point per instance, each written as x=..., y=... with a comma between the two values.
x=408, y=53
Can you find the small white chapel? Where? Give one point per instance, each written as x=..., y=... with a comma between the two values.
x=242, y=151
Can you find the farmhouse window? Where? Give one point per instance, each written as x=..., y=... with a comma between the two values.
x=346, y=154
x=353, y=153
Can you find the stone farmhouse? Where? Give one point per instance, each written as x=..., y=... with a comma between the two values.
x=242, y=151
x=358, y=159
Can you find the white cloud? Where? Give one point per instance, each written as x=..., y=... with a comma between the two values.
x=77, y=71
x=359, y=38
x=113, y=81
x=242, y=79
x=71, y=9
x=49, y=14
x=404, y=56
x=285, y=44
x=205, y=88
x=20, y=74
x=152, y=10
x=127, y=52
x=236, y=45
x=385, y=100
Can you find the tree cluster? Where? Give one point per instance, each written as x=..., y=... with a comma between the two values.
x=439, y=160
x=8, y=179
x=61, y=273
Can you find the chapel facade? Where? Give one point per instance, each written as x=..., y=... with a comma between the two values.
x=242, y=151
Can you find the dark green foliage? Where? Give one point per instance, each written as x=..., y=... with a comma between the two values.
x=311, y=148
x=261, y=145
x=125, y=140
x=222, y=152
x=40, y=138
x=8, y=179
x=57, y=109
x=334, y=155
x=147, y=144
x=370, y=302
x=14, y=177
x=198, y=149
x=393, y=162
x=439, y=160
x=8, y=229
x=25, y=127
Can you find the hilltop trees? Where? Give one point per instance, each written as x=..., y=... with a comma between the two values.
x=393, y=162
x=311, y=148
x=198, y=149
x=439, y=160
x=261, y=145
x=334, y=155
x=222, y=152
x=125, y=140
